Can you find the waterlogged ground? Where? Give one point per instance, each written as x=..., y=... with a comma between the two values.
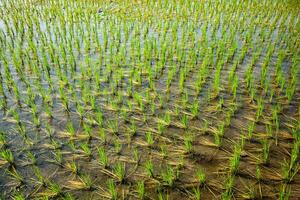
x=149, y=99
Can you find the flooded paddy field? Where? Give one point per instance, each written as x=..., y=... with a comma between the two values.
x=149, y=99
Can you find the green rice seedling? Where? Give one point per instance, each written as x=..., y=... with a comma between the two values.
x=234, y=86
x=92, y=102
x=18, y=196
x=220, y=104
x=152, y=107
x=125, y=115
x=184, y=99
x=68, y=196
x=217, y=140
x=117, y=146
x=253, y=94
x=73, y=167
x=136, y=155
x=163, y=150
x=64, y=99
x=15, y=175
x=70, y=129
x=103, y=158
x=167, y=119
x=221, y=129
x=295, y=154
x=16, y=117
x=16, y=93
x=149, y=138
x=58, y=158
x=53, y=189
x=8, y=156
x=149, y=168
x=176, y=111
x=3, y=142
x=196, y=193
x=113, y=126
x=133, y=129
x=181, y=162
x=284, y=192
x=200, y=176
x=80, y=111
x=86, y=149
x=99, y=118
x=184, y=121
x=71, y=145
x=260, y=108
x=49, y=130
x=251, y=128
x=48, y=110
x=234, y=161
x=188, y=143
x=195, y=109
x=258, y=173
x=140, y=188
x=161, y=102
x=87, y=181
x=162, y=196
x=265, y=151
x=227, y=194
x=275, y=119
x=288, y=171
x=160, y=127
x=169, y=176
x=102, y=135
x=41, y=180
x=87, y=129
x=32, y=158
x=269, y=131
x=112, y=190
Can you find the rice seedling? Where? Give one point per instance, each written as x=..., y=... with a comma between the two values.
x=227, y=194
x=52, y=190
x=162, y=196
x=140, y=187
x=15, y=175
x=235, y=159
x=32, y=158
x=149, y=138
x=169, y=176
x=188, y=143
x=86, y=180
x=103, y=158
x=120, y=171
x=41, y=180
x=86, y=149
x=148, y=165
x=265, y=151
x=200, y=176
x=112, y=189
x=8, y=156
x=117, y=146
x=58, y=157
x=196, y=193
x=18, y=196
x=284, y=193
x=73, y=167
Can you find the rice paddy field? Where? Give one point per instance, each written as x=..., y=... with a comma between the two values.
x=166, y=99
